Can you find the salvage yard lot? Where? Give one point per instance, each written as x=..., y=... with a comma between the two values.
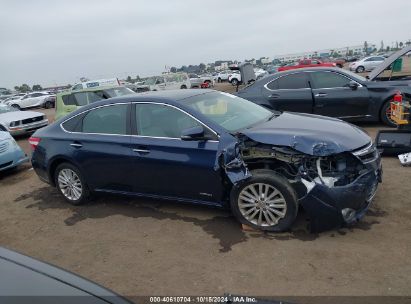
x=149, y=247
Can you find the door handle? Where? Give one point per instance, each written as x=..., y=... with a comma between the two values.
x=320, y=95
x=274, y=96
x=142, y=151
x=76, y=145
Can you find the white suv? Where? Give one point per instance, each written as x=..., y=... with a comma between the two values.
x=366, y=64
x=30, y=100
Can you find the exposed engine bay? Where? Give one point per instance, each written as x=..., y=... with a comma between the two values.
x=335, y=189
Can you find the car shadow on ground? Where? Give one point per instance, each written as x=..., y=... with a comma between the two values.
x=218, y=223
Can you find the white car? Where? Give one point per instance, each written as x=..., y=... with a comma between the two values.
x=223, y=76
x=30, y=100
x=96, y=83
x=235, y=77
x=366, y=64
x=170, y=81
x=18, y=122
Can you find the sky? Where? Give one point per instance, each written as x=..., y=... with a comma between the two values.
x=55, y=42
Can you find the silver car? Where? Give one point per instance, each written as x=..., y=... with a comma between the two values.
x=366, y=64
x=20, y=122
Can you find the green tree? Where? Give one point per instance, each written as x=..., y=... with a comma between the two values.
x=401, y=44
x=202, y=66
x=387, y=49
x=129, y=79
x=173, y=69
x=24, y=88
x=37, y=87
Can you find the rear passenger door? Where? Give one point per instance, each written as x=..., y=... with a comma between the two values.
x=290, y=92
x=99, y=142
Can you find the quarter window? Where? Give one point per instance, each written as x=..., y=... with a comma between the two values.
x=106, y=120
x=157, y=120
x=323, y=80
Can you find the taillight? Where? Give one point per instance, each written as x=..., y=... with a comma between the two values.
x=34, y=142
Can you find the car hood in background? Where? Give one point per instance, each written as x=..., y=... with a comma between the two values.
x=309, y=134
x=4, y=135
x=18, y=115
x=387, y=62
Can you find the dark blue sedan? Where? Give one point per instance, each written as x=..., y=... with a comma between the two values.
x=212, y=148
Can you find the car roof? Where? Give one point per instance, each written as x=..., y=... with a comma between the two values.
x=308, y=69
x=93, y=89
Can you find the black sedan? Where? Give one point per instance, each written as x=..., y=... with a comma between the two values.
x=331, y=92
x=216, y=149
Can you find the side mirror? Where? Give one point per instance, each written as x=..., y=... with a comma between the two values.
x=353, y=85
x=194, y=133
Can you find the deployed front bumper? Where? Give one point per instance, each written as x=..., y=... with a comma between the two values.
x=331, y=207
x=28, y=128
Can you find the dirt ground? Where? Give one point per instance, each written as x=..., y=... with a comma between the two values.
x=148, y=247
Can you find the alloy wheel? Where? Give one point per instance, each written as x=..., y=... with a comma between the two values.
x=262, y=204
x=70, y=184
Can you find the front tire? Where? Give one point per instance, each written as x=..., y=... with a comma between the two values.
x=183, y=87
x=266, y=201
x=385, y=115
x=70, y=183
x=47, y=105
x=16, y=106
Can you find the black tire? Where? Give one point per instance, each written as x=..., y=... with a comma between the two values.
x=16, y=106
x=47, y=105
x=278, y=182
x=385, y=114
x=234, y=81
x=340, y=66
x=360, y=69
x=183, y=87
x=85, y=193
x=219, y=79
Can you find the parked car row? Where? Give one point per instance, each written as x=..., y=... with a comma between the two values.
x=31, y=100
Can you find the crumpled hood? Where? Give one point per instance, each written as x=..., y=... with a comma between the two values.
x=309, y=134
x=18, y=115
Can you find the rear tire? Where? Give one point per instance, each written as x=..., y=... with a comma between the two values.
x=266, y=201
x=71, y=184
x=385, y=114
x=47, y=105
x=16, y=106
x=183, y=87
x=360, y=69
x=234, y=81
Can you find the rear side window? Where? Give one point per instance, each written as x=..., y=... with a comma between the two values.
x=289, y=82
x=106, y=120
x=82, y=98
x=322, y=80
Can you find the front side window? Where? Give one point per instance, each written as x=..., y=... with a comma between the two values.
x=323, y=80
x=157, y=120
x=106, y=120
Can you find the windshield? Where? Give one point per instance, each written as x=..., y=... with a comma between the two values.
x=355, y=76
x=5, y=108
x=230, y=112
x=120, y=91
x=150, y=81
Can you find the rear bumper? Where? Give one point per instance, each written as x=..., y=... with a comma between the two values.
x=28, y=128
x=334, y=207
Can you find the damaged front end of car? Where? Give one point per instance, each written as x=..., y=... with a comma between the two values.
x=334, y=187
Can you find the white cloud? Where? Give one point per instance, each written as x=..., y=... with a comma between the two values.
x=56, y=42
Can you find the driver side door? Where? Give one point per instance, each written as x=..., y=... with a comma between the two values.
x=164, y=164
